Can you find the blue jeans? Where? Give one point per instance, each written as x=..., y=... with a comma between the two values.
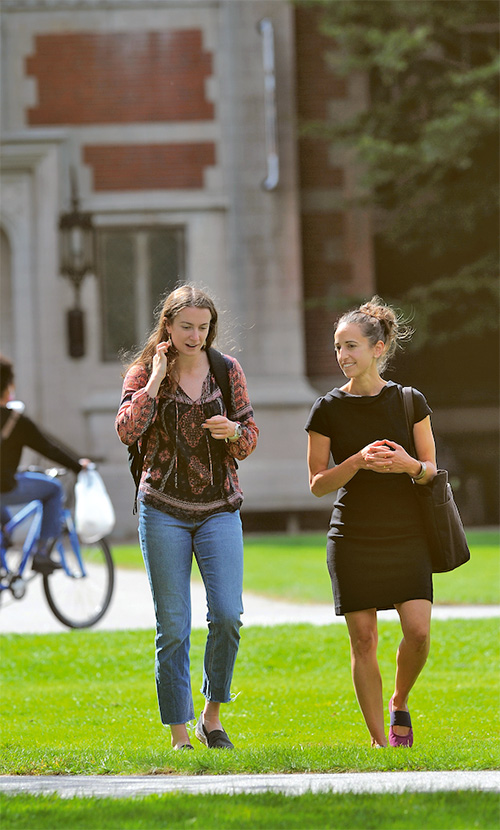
x=49, y=491
x=167, y=545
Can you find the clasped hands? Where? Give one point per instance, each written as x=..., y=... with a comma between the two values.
x=385, y=457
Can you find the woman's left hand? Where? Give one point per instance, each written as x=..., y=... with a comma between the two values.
x=220, y=427
x=396, y=460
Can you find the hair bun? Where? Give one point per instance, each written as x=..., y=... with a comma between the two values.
x=380, y=321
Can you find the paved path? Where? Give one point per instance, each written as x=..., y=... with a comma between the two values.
x=132, y=608
x=127, y=786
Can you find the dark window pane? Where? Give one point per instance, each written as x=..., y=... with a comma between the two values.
x=117, y=275
x=125, y=256
x=166, y=262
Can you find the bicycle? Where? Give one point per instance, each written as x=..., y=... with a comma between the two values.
x=80, y=590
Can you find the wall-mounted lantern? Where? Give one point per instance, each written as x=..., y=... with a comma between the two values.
x=77, y=259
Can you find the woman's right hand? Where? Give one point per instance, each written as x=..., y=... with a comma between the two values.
x=160, y=359
x=159, y=368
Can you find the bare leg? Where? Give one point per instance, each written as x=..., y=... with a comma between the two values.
x=211, y=716
x=415, y=616
x=366, y=677
x=180, y=735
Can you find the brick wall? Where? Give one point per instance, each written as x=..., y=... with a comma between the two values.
x=315, y=167
x=149, y=166
x=326, y=273
x=120, y=77
x=92, y=78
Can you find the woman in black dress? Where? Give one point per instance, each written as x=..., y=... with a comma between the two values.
x=377, y=552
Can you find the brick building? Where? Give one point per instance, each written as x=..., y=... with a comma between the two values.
x=178, y=121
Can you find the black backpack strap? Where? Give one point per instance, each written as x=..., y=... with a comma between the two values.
x=136, y=455
x=137, y=481
x=220, y=367
x=409, y=414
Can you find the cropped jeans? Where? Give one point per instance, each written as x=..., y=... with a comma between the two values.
x=167, y=545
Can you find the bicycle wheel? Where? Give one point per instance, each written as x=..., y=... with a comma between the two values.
x=80, y=601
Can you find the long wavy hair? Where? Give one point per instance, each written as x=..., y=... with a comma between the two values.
x=184, y=296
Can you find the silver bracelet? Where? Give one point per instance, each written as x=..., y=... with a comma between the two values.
x=423, y=470
x=238, y=431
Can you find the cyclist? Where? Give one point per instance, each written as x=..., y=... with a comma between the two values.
x=17, y=432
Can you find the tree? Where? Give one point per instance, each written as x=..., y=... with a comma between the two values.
x=428, y=147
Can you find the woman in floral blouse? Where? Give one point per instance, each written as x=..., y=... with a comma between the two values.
x=189, y=499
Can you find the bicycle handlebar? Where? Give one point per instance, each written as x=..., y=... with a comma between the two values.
x=53, y=472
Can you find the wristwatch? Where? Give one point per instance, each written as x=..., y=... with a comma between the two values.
x=238, y=432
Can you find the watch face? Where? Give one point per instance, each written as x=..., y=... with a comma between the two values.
x=239, y=430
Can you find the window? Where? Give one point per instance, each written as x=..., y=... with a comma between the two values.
x=136, y=267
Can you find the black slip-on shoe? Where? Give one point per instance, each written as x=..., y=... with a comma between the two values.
x=217, y=739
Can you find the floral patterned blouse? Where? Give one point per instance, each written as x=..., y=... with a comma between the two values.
x=186, y=472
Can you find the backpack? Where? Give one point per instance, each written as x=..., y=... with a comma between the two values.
x=220, y=368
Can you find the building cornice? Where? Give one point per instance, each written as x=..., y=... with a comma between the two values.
x=18, y=6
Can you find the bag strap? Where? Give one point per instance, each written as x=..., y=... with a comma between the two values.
x=141, y=454
x=220, y=368
x=9, y=425
x=409, y=414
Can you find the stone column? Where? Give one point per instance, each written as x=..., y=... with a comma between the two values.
x=264, y=259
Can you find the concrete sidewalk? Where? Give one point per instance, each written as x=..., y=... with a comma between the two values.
x=131, y=786
x=132, y=608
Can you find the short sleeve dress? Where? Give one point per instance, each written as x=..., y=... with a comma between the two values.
x=377, y=552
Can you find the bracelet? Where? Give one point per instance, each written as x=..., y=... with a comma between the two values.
x=238, y=430
x=423, y=470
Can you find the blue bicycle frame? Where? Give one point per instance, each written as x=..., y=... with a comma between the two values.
x=35, y=509
x=75, y=544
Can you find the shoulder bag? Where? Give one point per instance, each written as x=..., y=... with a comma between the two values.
x=443, y=525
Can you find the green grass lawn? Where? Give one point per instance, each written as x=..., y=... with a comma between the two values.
x=294, y=567
x=85, y=702
x=322, y=811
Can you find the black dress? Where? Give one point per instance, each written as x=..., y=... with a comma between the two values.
x=377, y=553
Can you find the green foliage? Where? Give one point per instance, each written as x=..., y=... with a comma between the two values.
x=434, y=811
x=428, y=145
x=476, y=292
x=84, y=702
x=432, y=126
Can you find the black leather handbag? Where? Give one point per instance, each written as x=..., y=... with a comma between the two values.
x=443, y=525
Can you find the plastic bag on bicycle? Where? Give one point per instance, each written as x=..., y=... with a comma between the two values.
x=94, y=513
